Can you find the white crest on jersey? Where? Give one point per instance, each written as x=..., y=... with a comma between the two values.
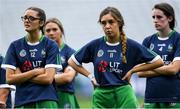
x=43, y=53
x=63, y=59
x=100, y=53
x=151, y=46
x=170, y=47
x=22, y=53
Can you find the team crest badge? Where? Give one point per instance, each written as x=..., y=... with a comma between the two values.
x=100, y=53
x=43, y=53
x=22, y=53
x=151, y=46
x=63, y=59
x=170, y=48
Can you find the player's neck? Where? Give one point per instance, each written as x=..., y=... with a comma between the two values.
x=165, y=33
x=34, y=37
x=60, y=43
x=112, y=39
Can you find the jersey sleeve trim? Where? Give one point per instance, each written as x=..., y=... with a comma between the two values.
x=54, y=66
x=74, y=59
x=176, y=59
x=155, y=59
x=11, y=87
x=4, y=66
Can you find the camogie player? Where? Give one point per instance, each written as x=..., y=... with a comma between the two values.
x=31, y=63
x=64, y=78
x=114, y=57
x=163, y=84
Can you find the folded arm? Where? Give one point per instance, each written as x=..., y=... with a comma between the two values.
x=142, y=68
x=17, y=77
x=170, y=69
x=46, y=76
x=166, y=70
x=66, y=77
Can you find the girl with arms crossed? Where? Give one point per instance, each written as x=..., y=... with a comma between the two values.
x=163, y=84
x=31, y=64
x=64, y=78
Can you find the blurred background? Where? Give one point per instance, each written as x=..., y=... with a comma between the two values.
x=79, y=18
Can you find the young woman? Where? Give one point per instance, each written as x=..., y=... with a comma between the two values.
x=64, y=78
x=31, y=62
x=114, y=57
x=163, y=84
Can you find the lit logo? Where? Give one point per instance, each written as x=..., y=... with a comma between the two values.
x=27, y=65
x=102, y=66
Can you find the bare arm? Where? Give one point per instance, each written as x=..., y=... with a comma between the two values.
x=46, y=77
x=66, y=77
x=143, y=67
x=83, y=71
x=3, y=98
x=16, y=77
x=78, y=68
x=147, y=74
x=170, y=69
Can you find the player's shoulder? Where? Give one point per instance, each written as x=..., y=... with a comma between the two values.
x=151, y=36
x=133, y=44
x=176, y=34
x=19, y=40
x=97, y=40
x=67, y=47
x=131, y=41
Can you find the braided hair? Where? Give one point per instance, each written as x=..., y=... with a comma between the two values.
x=117, y=16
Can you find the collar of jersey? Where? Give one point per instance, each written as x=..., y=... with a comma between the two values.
x=165, y=38
x=62, y=46
x=110, y=44
x=36, y=43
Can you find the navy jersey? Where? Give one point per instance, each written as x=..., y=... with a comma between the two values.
x=26, y=56
x=107, y=59
x=66, y=52
x=3, y=83
x=164, y=88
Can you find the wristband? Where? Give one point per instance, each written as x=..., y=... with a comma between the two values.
x=90, y=76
